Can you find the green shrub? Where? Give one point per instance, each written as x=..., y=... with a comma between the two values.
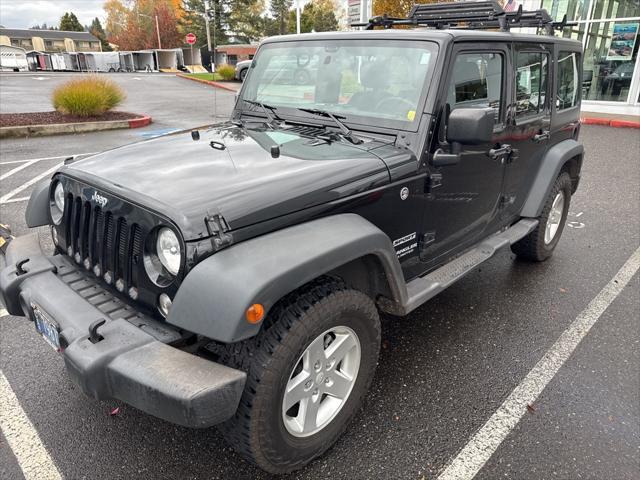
x=227, y=72
x=87, y=96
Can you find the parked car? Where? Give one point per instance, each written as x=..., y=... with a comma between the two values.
x=242, y=68
x=243, y=285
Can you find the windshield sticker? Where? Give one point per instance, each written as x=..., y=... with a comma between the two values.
x=404, y=239
x=281, y=137
x=411, y=114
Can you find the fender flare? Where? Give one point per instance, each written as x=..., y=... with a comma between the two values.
x=37, y=212
x=550, y=168
x=214, y=296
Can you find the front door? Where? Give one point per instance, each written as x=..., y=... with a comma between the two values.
x=529, y=123
x=464, y=206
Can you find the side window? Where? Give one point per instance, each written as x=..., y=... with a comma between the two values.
x=532, y=70
x=477, y=81
x=567, y=94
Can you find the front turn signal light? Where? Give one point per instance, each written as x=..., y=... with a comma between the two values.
x=255, y=313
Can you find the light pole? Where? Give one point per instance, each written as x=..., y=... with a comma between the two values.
x=298, y=16
x=157, y=28
x=206, y=22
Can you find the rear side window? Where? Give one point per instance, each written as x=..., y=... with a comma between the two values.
x=567, y=94
x=477, y=81
x=531, y=82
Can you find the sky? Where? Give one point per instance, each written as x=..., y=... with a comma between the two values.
x=26, y=13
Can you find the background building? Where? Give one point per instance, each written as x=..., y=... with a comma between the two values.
x=49, y=40
x=609, y=32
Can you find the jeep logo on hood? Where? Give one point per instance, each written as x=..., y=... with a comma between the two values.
x=99, y=199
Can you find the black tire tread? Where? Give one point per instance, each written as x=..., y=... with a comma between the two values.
x=254, y=355
x=532, y=247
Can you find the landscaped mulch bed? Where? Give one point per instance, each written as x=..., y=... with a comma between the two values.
x=49, y=118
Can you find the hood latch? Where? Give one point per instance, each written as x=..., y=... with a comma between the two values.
x=217, y=227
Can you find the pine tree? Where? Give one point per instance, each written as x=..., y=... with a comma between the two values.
x=69, y=23
x=97, y=31
x=280, y=12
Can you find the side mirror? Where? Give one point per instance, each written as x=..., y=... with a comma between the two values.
x=470, y=126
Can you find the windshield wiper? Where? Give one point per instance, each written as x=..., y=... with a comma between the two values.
x=268, y=110
x=344, y=130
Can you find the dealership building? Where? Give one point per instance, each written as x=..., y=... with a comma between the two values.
x=609, y=32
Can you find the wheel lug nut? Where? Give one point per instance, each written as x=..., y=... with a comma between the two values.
x=308, y=384
x=317, y=365
x=327, y=380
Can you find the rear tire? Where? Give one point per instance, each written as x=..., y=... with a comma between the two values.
x=261, y=428
x=538, y=245
x=243, y=74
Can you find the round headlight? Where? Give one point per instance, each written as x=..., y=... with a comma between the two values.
x=57, y=204
x=168, y=250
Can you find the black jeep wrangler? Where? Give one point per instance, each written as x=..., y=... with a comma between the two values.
x=235, y=275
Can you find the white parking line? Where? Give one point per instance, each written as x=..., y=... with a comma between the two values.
x=33, y=160
x=16, y=200
x=487, y=440
x=17, y=169
x=22, y=437
x=35, y=179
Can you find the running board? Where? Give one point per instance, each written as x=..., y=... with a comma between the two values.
x=424, y=288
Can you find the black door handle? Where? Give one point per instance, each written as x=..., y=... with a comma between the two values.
x=543, y=135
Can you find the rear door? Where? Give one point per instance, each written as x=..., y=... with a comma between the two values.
x=529, y=121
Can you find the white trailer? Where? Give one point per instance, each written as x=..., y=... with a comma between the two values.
x=126, y=62
x=13, y=58
x=193, y=60
x=169, y=59
x=103, y=61
x=144, y=60
x=57, y=62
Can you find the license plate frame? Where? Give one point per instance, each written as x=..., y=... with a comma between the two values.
x=47, y=327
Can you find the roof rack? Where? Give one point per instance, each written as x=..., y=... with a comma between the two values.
x=470, y=16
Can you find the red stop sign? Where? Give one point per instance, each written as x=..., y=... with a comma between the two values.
x=190, y=38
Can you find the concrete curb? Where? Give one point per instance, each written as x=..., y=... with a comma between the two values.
x=209, y=82
x=610, y=122
x=64, y=128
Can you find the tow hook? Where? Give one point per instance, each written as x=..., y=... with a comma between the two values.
x=94, y=336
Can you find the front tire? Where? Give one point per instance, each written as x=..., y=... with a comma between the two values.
x=538, y=245
x=316, y=356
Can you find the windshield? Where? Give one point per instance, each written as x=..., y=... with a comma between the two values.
x=372, y=82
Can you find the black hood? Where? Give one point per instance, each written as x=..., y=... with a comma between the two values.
x=188, y=179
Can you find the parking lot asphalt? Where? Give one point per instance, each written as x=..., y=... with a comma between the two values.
x=443, y=372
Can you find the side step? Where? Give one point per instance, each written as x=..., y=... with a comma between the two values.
x=424, y=288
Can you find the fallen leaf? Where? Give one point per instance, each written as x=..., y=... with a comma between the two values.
x=114, y=411
x=563, y=290
x=531, y=408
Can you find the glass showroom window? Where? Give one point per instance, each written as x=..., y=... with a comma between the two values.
x=609, y=60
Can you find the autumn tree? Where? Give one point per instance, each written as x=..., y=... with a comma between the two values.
x=69, y=23
x=132, y=26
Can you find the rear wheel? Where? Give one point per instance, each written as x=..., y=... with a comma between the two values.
x=243, y=74
x=308, y=372
x=540, y=243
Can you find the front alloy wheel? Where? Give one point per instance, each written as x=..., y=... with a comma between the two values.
x=321, y=381
x=308, y=371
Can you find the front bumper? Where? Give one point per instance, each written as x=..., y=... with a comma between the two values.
x=129, y=358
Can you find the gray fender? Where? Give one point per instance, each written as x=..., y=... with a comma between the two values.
x=550, y=167
x=214, y=296
x=37, y=213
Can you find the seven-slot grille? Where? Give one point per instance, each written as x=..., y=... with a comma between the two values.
x=103, y=242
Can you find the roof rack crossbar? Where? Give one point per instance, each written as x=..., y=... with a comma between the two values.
x=469, y=15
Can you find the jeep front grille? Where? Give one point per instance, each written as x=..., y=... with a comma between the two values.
x=103, y=242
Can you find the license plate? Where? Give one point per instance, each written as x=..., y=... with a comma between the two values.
x=47, y=327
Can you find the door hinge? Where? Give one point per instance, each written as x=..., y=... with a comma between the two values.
x=218, y=228
x=434, y=181
x=505, y=153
